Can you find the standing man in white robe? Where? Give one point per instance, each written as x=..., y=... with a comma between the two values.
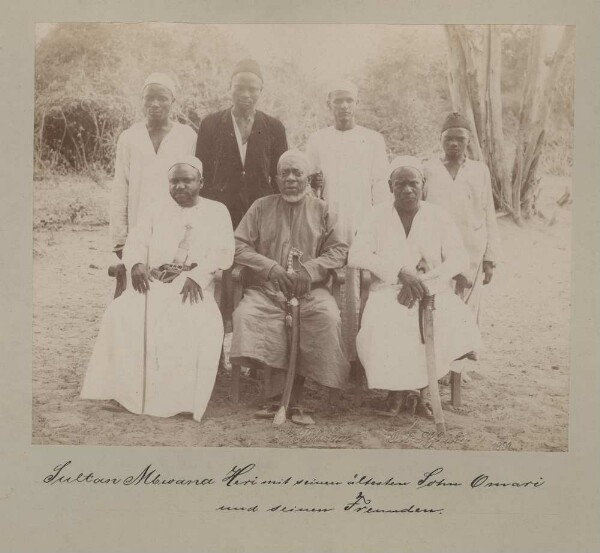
x=159, y=343
x=463, y=187
x=351, y=168
x=142, y=152
x=395, y=240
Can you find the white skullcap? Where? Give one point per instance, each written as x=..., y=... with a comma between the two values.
x=296, y=154
x=186, y=160
x=406, y=161
x=162, y=79
x=342, y=84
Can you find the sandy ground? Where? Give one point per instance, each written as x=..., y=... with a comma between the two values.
x=516, y=400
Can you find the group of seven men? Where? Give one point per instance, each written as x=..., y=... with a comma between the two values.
x=176, y=199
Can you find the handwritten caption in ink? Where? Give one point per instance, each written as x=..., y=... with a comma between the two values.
x=360, y=486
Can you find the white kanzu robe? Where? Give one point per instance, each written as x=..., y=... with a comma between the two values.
x=469, y=200
x=155, y=355
x=141, y=173
x=389, y=341
x=355, y=171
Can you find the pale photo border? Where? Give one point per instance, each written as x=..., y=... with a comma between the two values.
x=561, y=516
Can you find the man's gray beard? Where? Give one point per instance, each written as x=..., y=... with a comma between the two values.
x=294, y=198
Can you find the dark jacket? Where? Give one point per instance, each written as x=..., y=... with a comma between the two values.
x=225, y=179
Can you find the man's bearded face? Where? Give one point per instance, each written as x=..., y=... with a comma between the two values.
x=185, y=183
x=292, y=179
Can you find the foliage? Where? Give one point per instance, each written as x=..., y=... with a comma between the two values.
x=88, y=79
x=404, y=91
x=557, y=155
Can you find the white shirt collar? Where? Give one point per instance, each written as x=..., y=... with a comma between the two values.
x=238, y=137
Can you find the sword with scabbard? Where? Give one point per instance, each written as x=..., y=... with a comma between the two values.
x=426, y=309
x=292, y=323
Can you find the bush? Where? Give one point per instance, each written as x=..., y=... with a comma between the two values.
x=88, y=79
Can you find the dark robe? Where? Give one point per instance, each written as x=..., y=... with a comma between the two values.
x=264, y=239
x=226, y=180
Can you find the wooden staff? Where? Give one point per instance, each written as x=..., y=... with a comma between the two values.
x=428, y=305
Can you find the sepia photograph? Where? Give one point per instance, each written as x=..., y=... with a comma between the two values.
x=338, y=236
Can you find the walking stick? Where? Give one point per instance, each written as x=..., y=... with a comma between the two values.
x=144, y=365
x=428, y=307
x=292, y=321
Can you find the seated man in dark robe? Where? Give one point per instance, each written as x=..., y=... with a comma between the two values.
x=292, y=221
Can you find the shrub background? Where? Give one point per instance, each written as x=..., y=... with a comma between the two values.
x=88, y=79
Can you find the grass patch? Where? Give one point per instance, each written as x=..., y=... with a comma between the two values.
x=70, y=200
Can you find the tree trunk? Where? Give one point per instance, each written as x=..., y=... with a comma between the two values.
x=474, y=74
x=457, y=81
x=495, y=155
x=475, y=54
x=543, y=71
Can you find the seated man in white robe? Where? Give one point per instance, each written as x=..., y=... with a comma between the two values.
x=159, y=343
x=412, y=249
x=274, y=227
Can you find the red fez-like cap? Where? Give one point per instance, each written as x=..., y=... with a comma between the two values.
x=247, y=66
x=456, y=120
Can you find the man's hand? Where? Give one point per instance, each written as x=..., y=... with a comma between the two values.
x=462, y=283
x=413, y=288
x=281, y=279
x=192, y=290
x=488, y=272
x=406, y=298
x=302, y=282
x=140, y=278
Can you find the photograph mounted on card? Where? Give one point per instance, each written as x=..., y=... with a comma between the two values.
x=255, y=238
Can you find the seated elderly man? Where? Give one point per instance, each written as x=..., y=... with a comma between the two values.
x=274, y=227
x=159, y=343
x=413, y=249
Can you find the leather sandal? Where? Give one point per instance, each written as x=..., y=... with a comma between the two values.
x=267, y=412
x=299, y=416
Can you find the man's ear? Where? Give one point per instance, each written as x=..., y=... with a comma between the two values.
x=390, y=185
x=310, y=179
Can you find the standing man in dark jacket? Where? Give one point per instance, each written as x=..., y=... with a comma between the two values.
x=239, y=148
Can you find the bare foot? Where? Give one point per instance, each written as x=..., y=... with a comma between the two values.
x=445, y=380
x=410, y=401
x=423, y=408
